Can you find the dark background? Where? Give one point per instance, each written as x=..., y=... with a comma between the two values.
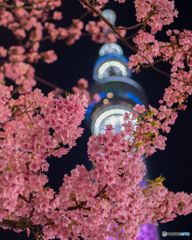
x=77, y=61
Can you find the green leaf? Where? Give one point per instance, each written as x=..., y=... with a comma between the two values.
x=149, y=180
x=147, y=134
x=160, y=179
x=8, y=168
x=151, y=113
x=138, y=144
x=45, y=189
x=139, y=119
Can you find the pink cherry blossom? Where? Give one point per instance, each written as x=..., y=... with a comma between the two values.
x=110, y=195
x=139, y=108
x=57, y=15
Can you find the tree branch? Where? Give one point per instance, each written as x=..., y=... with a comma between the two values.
x=22, y=223
x=49, y=84
x=137, y=25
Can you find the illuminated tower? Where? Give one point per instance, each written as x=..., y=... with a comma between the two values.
x=119, y=94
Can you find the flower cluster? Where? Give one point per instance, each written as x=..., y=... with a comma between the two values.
x=162, y=10
x=82, y=206
x=82, y=85
x=100, y=32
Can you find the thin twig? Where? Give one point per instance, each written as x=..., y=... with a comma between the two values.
x=81, y=18
x=137, y=25
x=23, y=198
x=84, y=15
x=16, y=89
x=40, y=40
x=48, y=83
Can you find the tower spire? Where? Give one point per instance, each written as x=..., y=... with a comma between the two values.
x=109, y=14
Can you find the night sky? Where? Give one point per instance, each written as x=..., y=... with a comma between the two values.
x=77, y=61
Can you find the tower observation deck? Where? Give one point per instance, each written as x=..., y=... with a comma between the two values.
x=118, y=92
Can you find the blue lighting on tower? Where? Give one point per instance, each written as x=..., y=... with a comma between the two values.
x=134, y=98
x=103, y=95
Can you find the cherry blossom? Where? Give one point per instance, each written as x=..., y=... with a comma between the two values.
x=108, y=200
